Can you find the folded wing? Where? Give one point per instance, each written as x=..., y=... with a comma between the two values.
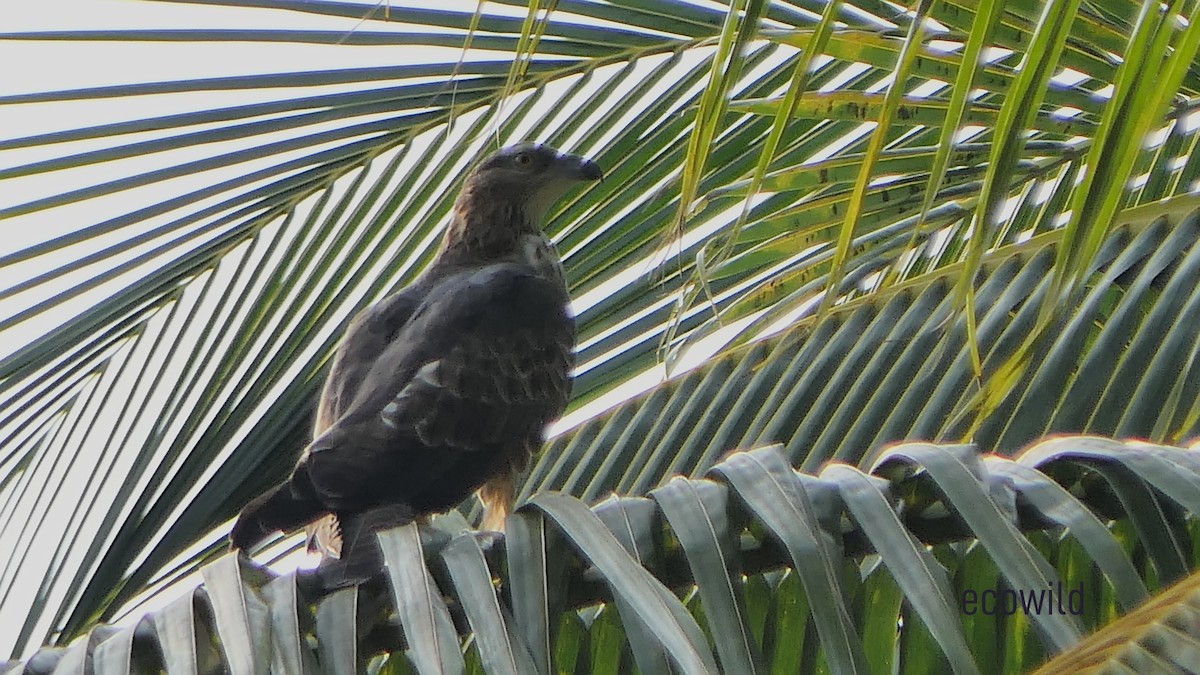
x=459, y=393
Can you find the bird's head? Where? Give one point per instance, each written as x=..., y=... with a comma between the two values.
x=527, y=178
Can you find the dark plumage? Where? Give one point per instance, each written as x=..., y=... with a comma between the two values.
x=448, y=385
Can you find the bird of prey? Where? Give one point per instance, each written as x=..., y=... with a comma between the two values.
x=447, y=386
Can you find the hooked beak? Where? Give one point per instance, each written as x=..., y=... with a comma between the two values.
x=580, y=168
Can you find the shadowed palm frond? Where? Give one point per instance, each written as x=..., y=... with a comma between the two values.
x=724, y=569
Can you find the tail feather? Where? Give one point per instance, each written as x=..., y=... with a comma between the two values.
x=285, y=507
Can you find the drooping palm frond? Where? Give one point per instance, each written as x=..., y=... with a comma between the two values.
x=187, y=271
x=764, y=546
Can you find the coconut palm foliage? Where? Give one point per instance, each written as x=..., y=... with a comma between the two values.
x=952, y=252
x=774, y=559
x=895, y=364
x=1133, y=641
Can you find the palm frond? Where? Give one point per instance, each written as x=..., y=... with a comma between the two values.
x=184, y=265
x=792, y=547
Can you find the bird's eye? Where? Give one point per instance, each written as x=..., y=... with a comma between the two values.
x=523, y=159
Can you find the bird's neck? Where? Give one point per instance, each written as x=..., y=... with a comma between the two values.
x=485, y=231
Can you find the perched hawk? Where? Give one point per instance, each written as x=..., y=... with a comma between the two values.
x=446, y=387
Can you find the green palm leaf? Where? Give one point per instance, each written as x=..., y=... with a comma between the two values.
x=776, y=519
x=183, y=268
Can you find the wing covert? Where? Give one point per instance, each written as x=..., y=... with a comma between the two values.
x=465, y=389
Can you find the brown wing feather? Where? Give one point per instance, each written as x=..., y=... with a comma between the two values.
x=367, y=336
x=462, y=393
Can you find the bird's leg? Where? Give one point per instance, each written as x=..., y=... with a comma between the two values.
x=361, y=558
